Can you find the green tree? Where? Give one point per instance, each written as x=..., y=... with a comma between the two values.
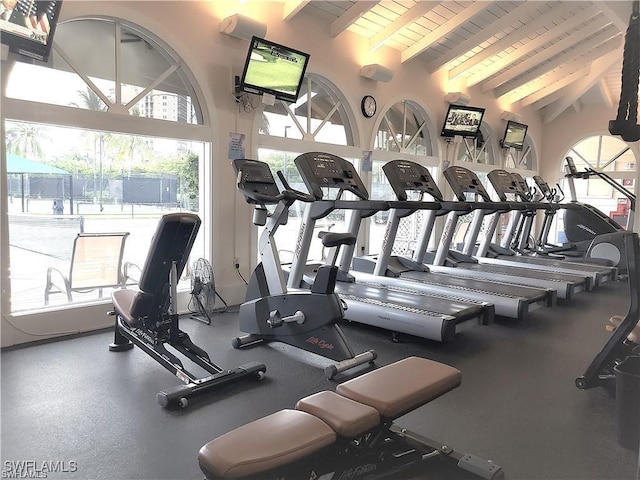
x=188, y=173
x=25, y=139
x=89, y=100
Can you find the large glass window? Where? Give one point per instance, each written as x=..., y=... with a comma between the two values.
x=93, y=172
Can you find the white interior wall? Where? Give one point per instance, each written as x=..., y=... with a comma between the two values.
x=191, y=29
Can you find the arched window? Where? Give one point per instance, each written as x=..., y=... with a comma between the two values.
x=524, y=160
x=610, y=155
x=404, y=129
x=478, y=150
x=108, y=136
x=318, y=115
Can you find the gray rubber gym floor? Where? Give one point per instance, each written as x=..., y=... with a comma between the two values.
x=94, y=412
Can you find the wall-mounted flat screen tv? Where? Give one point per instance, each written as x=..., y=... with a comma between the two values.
x=27, y=26
x=514, y=135
x=273, y=68
x=462, y=121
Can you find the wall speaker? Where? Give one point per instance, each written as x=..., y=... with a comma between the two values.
x=243, y=27
x=457, y=98
x=376, y=72
x=514, y=117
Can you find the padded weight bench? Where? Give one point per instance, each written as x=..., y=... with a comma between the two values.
x=346, y=433
x=148, y=318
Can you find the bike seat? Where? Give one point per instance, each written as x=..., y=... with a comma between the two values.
x=330, y=239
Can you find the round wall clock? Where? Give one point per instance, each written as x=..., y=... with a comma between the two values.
x=368, y=106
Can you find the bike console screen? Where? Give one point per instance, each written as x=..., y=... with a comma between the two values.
x=255, y=177
x=325, y=170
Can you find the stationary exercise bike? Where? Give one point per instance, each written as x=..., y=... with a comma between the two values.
x=301, y=318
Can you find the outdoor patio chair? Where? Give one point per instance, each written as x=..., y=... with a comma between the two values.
x=96, y=263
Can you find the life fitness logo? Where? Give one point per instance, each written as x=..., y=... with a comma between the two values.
x=318, y=342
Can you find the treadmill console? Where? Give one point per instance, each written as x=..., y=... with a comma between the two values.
x=571, y=166
x=325, y=170
x=254, y=177
x=405, y=176
x=542, y=186
x=522, y=186
x=463, y=181
x=503, y=183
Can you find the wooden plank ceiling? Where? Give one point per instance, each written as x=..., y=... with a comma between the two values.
x=549, y=55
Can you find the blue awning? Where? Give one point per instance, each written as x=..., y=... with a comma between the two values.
x=17, y=164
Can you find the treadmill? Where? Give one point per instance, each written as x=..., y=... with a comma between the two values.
x=406, y=177
x=464, y=182
x=368, y=301
x=504, y=184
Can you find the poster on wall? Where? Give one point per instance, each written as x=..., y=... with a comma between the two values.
x=236, y=145
x=367, y=165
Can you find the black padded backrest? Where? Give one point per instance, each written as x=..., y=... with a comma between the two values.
x=172, y=242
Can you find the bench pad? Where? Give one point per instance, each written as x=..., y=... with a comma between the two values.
x=346, y=417
x=400, y=387
x=269, y=442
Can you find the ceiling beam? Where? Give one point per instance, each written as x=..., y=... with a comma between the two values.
x=529, y=28
x=549, y=99
x=618, y=12
x=603, y=88
x=518, y=15
x=350, y=16
x=436, y=34
x=552, y=82
x=556, y=55
x=545, y=81
x=530, y=46
x=598, y=68
x=291, y=8
x=407, y=18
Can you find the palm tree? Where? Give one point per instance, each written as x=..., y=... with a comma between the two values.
x=89, y=100
x=25, y=139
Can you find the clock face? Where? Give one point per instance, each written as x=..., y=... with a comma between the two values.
x=368, y=106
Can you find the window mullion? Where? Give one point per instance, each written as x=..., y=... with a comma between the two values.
x=157, y=82
x=326, y=118
x=118, y=41
x=86, y=79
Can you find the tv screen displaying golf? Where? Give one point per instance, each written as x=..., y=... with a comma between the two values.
x=462, y=121
x=514, y=135
x=273, y=68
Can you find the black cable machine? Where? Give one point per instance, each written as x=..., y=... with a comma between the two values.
x=601, y=371
x=148, y=318
x=626, y=122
